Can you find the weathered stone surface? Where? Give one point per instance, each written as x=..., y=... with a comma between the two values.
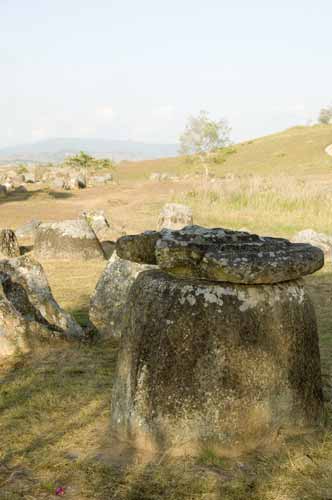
x=57, y=183
x=109, y=248
x=9, y=246
x=222, y=255
x=97, y=220
x=175, y=216
x=110, y=296
x=320, y=240
x=138, y=248
x=225, y=366
x=68, y=239
x=76, y=182
x=28, y=230
x=29, y=313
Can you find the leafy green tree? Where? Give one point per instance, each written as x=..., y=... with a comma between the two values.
x=203, y=135
x=82, y=160
x=325, y=115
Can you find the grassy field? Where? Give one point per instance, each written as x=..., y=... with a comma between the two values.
x=55, y=403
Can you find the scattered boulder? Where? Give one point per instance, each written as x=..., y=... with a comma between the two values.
x=222, y=255
x=175, y=216
x=57, y=183
x=29, y=178
x=100, y=179
x=159, y=177
x=319, y=240
x=107, y=305
x=17, y=179
x=9, y=246
x=77, y=182
x=68, y=239
x=29, y=313
x=221, y=350
x=9, y=186
x=97, y=221
x=28, y=230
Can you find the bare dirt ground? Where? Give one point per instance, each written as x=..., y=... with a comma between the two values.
x=134, y=206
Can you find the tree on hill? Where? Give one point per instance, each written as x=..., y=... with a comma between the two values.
x=325, y=115
x=84, y=161
x=203, y=135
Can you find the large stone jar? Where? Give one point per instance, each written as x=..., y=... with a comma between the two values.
x=226, y=365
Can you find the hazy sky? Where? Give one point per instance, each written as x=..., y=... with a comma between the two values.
x=135, y=69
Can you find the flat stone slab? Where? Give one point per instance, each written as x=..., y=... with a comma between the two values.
x=222, y=255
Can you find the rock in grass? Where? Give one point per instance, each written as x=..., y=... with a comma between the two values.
x=175, y=216
x=28, y=230
x=221, y=366
x=9, y=246
x=320, y=240
x=222, y=255
x=108, y=301
x=68, y=240
x=29, y=314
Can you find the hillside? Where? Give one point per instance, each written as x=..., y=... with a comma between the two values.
x=56, y=150
x=296, y=151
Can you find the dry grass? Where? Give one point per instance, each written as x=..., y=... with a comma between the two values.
x=279, y=205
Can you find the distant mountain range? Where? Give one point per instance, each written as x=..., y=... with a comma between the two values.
x=56, y=150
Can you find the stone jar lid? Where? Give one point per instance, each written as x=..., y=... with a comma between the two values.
x=222, y=255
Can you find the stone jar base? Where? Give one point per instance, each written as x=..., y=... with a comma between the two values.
x=206, y=364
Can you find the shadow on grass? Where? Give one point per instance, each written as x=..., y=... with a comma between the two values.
x=16, y=196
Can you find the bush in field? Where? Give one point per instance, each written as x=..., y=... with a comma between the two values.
x=22, y=169
x=325, y=115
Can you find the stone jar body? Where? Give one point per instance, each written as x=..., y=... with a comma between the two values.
x=218, y=365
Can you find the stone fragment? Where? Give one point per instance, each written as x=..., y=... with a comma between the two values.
x=28, y=230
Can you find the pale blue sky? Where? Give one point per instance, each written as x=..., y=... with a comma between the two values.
x=129, y=69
